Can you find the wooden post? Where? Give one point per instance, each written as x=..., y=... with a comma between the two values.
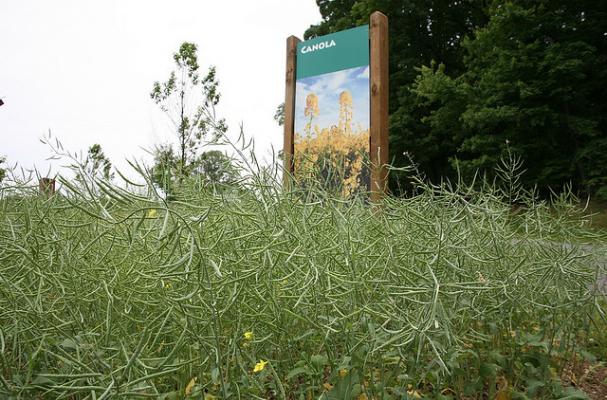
x=378, y=81
x=289, y=122
x=46, y=186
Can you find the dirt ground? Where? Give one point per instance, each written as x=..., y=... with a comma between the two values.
x=590, y=378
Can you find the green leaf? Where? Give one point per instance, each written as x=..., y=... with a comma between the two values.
x=516, y=395
x=588, y=356
x=533, y=386
x=318, y=360
x=488, y=370
x=69, y=344
x=574, y=394
x=43, y=380
x=498, y=358
x=174, y=395
x=215, y=375
x=298, y=371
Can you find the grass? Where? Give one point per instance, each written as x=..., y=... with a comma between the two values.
x=255, y=293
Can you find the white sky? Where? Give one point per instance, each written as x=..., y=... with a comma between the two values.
x=84, y=70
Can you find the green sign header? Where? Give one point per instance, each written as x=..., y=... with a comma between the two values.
x=333, y=52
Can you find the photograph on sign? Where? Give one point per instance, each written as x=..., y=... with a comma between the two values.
x=331, y=143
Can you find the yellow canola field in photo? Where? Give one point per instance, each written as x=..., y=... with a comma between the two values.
x=336, y=156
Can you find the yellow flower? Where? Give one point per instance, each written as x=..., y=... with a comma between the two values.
x=248, y=335
x=260, y=366
x=311, y=105
x=345, y=98
x=504, y=392
x=342, y=372
x=167, y=285
x=553, y=372
x=327, y=386
x=152, y=213
x=190, y=386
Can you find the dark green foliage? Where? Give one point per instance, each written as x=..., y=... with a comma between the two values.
x=533, y=78
x=279, y=115
x=2, y=170
x=215, y=167
x=469, y=77
x=96, y=166
x=165, y=167
x=211, y=167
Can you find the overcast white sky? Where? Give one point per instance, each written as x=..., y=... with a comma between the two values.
x=84, y=69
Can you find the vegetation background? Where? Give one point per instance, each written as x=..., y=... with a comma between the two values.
x=470, y=77
x=248, y=291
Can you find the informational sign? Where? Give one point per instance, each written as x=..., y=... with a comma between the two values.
x=332, y=108
x=336, y=110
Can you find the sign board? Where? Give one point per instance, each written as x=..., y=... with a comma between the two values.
x=335, y=52
x=329, y=108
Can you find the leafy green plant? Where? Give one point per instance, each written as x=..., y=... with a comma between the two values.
x=290, y=295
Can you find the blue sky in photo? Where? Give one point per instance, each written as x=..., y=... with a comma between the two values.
x=328, y=88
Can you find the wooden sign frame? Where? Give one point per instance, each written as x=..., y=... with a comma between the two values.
x=378, y=90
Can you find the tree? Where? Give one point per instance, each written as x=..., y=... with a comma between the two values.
x=216, y=168
x=98, y=163
x=2, y=170
x=165, y=167
x=189, y=102
x=279, y=115
x=534, y=78
x=95, y=166
x=212, y=167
